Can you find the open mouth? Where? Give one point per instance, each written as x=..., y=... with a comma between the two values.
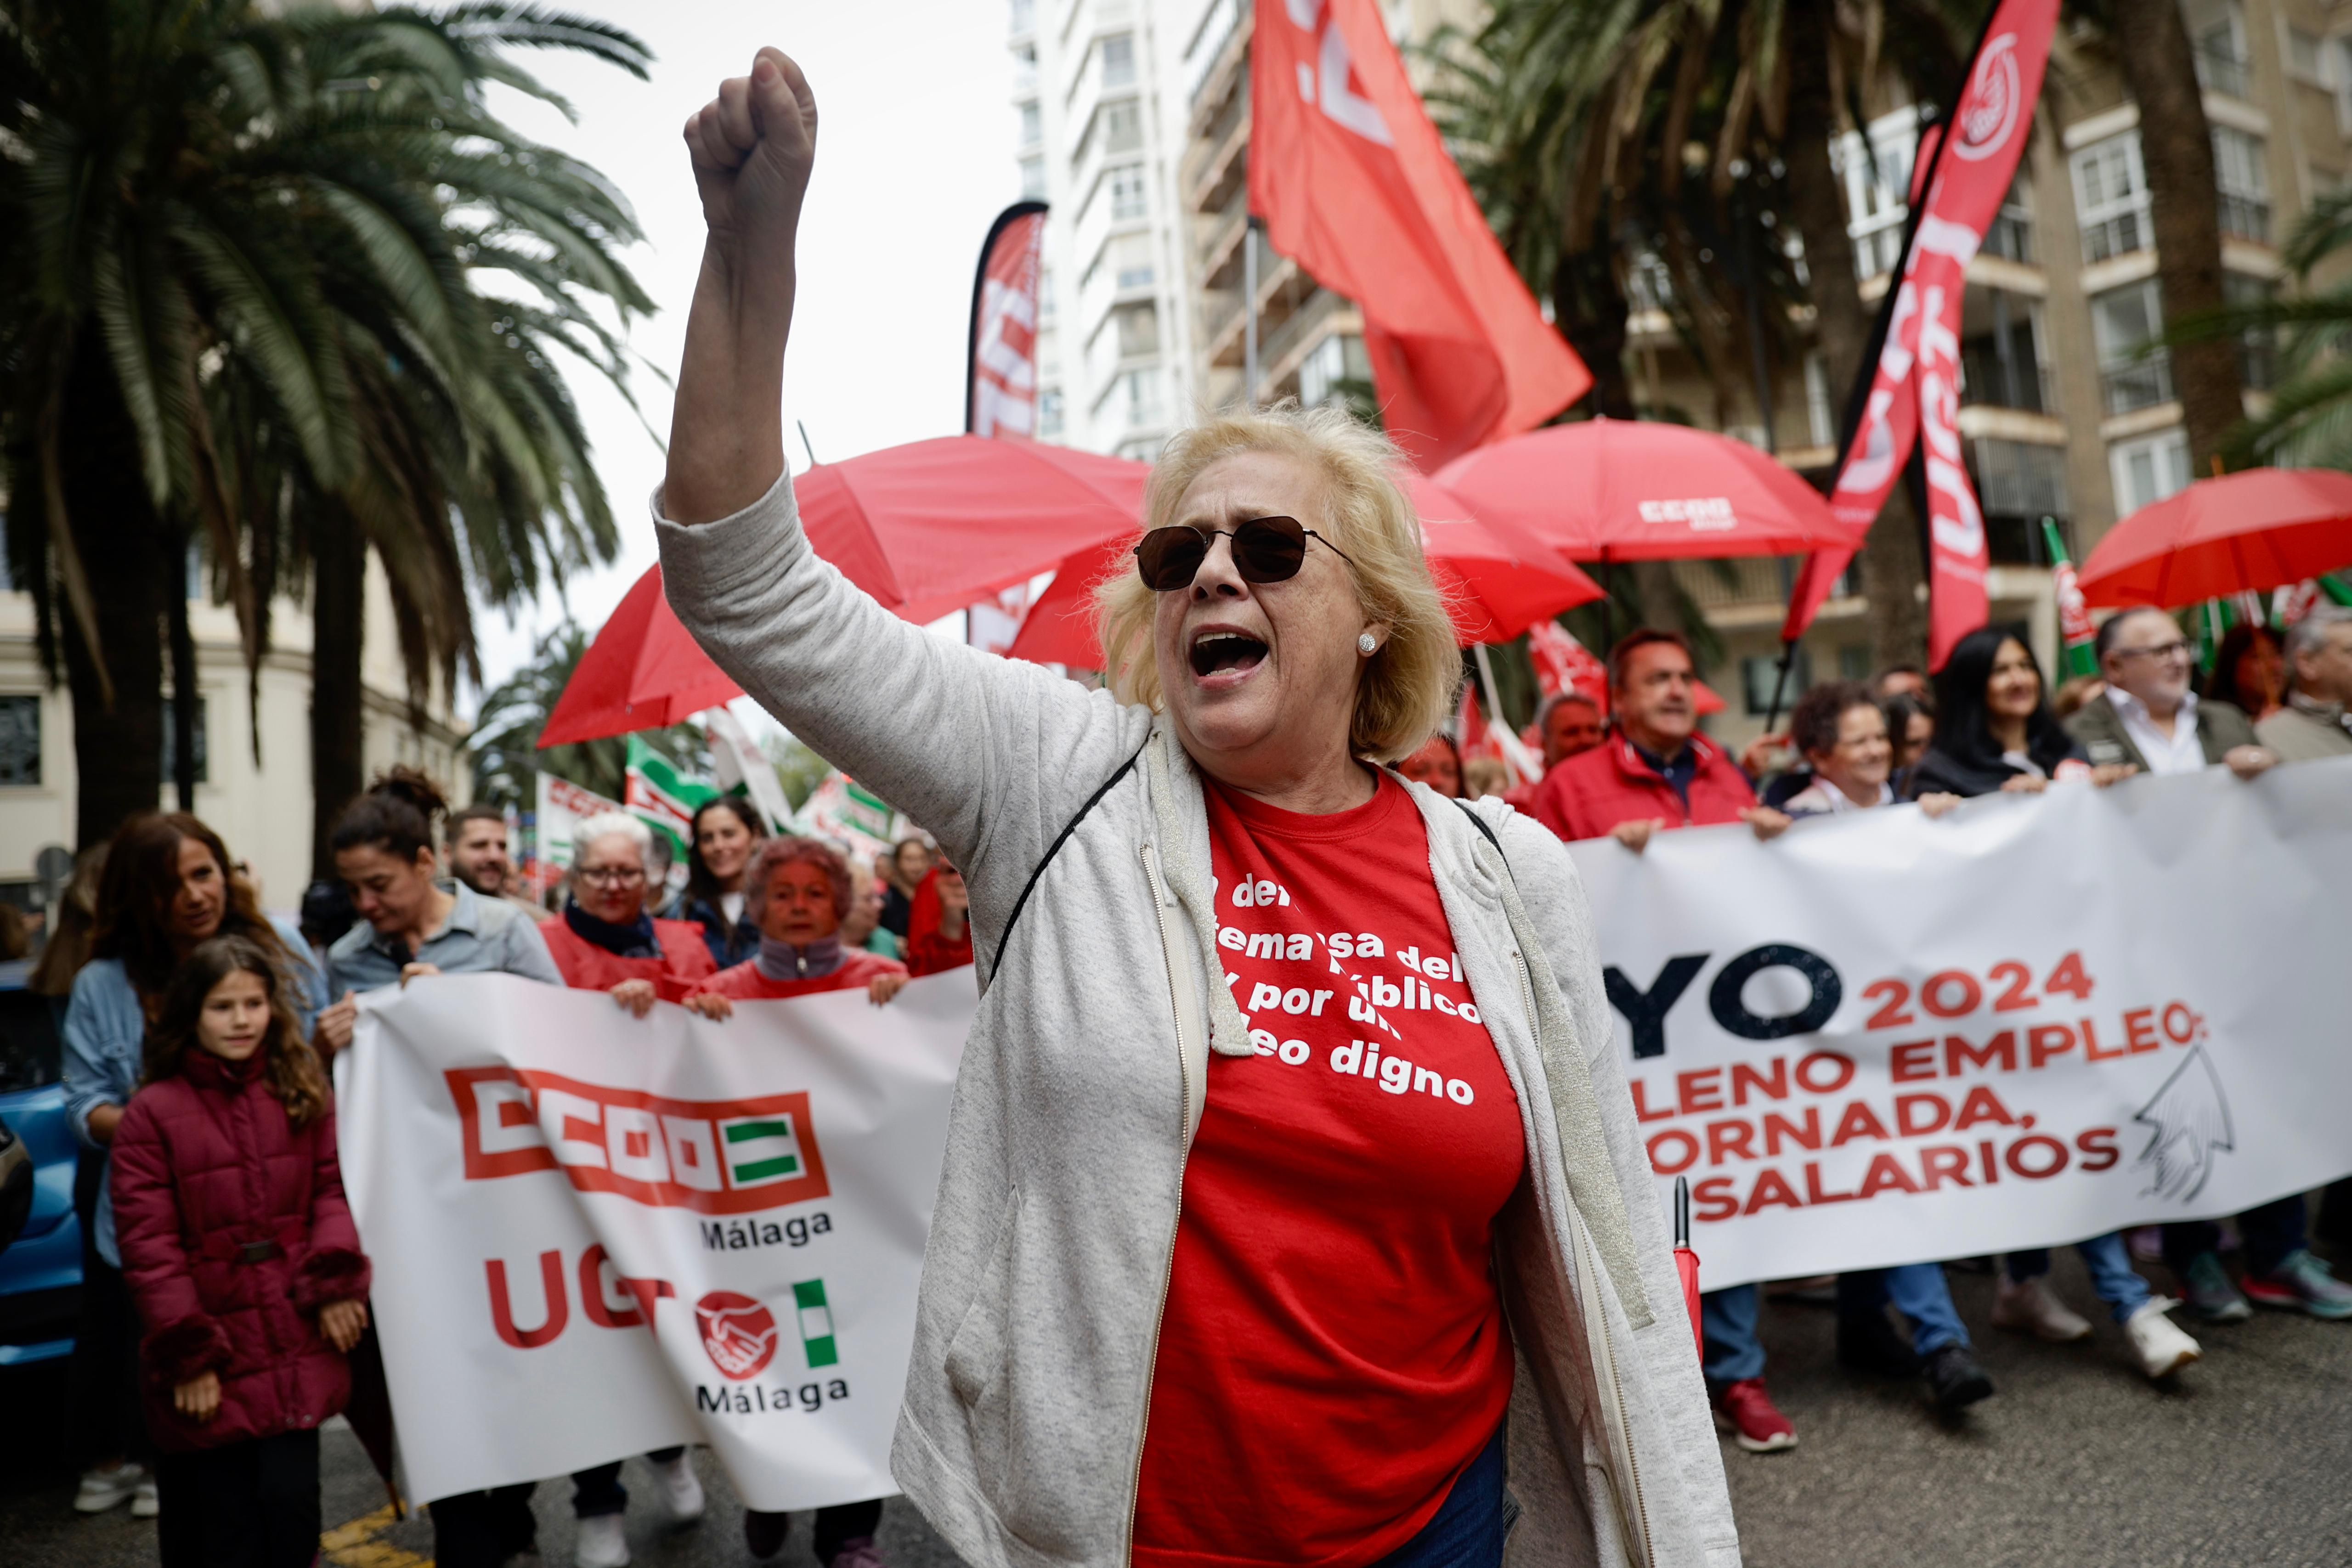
x=1214, y=652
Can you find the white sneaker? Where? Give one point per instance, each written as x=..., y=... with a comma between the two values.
x=2162, y=1347
x=102, y=1490
x=146, y=1504
x=680, y=1489
x=2028, y=1307
x=600, y=1543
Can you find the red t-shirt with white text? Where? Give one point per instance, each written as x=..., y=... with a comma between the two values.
x=1332, y=1353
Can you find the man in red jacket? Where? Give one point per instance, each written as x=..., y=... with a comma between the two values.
x=1654, y=772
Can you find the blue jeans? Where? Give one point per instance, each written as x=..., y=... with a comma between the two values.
x=1919, y=1294
x=2111, y=1271
x=1467, y=1531
x=1734, y=1353
x=2270, y=1231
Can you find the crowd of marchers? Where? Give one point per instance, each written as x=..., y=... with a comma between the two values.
x=1987, y=722
x=199, y=1034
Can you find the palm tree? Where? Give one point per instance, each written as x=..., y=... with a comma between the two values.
x=1578, y=116
x=244, y=298
x=506, y=761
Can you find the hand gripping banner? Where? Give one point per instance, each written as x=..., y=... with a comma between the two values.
x=1881, y=1040
x=595, y=1235
x=1915, y=387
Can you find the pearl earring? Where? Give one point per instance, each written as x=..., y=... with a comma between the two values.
x=1368, y=644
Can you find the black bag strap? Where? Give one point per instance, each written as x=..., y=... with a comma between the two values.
x=1022, y=902
x=1479, y=822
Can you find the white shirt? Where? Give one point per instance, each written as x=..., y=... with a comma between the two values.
x=1822, y=796
x=732, y=905
x=2180, y=752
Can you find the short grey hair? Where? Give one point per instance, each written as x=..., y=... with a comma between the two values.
x=613, y=824
x=2309, y=635
x=1561, y=699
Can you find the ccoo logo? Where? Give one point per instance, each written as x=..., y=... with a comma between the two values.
x=1995, y=97
x=738, y=1333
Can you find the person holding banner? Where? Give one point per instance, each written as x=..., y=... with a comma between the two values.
x=800, y=891
x=725, y=834
x=2147, y=717
x=605, y=940
x=1995, y=734
x=1202, y=1285
x=414, y=926
x=2317, y=718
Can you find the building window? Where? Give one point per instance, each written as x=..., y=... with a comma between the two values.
x=2222, y=64
x=2258, y=351
x=1122, y=125
x=1877, y=180
x=171, y=749
x=1049, y=414
x=2019, y=483
x=1119, y=60
x=1760, y=673
x=1033, y=124
x=1024, y=19
x=1138, y=329
x=20, y=742
x=1127, y=200
x=2242, y=185
x=1032, y=179
x=1338, y=366
x=1133, y=397
x=1853, y=661
x=2002, y=364
x=2111, y=198
x=2146, y=471
x=2124, y=322
x=2305, y=58
x=2011, y=235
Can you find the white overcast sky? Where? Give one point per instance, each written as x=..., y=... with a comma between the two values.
x=915, y=155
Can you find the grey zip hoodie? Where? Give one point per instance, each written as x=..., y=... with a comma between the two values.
x=1022, y=1428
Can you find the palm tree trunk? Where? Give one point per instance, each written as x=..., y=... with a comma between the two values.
x=118, y=743
x=2176, y=147
x=1588, y=305
x=1892, y=568
x=185, y=694
x=338, y=567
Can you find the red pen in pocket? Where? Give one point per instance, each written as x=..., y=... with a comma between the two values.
x=1686, y=1260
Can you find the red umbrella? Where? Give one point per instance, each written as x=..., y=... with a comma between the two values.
x=2241, y=532
x=1614, y=489
x=642, y=672
x=930, y=526
x=1498, y=583
x=926, y=528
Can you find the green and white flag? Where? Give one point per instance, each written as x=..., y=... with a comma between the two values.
x=663, y=797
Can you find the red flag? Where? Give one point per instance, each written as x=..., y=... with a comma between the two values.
x=1563, y=664
x=1001, y=392
x=1473, y=740
x=1914, y=391
x=1356, y=186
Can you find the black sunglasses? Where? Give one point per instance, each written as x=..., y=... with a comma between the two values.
x=1265, y=549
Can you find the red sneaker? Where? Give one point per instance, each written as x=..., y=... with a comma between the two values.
x=1754, y=1423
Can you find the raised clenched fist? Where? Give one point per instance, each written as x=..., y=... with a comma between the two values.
x=752, y=147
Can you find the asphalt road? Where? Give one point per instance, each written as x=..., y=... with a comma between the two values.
x=2077, y=1460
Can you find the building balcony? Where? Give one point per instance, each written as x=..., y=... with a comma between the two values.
x=1218, y=46
x=2245, y=218
x=2118, y=236
x=2224, y=74
x=1224, y=170
x=2136, y=385
x=2011, y=239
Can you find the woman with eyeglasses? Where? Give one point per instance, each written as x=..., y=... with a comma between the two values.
x=605, y=940
x=1289, y=1127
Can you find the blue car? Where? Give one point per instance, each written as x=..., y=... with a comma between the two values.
x=40, y=1272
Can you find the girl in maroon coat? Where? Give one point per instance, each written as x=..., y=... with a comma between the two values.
x=240, y=1254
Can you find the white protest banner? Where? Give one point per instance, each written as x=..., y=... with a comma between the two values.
x=1883, y=1040
x=541, y=1179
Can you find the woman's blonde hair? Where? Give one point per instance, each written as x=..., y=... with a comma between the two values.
x=1407, y=688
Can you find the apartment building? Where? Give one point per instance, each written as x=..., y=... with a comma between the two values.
x=1099, y=143
x=2063, y=413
